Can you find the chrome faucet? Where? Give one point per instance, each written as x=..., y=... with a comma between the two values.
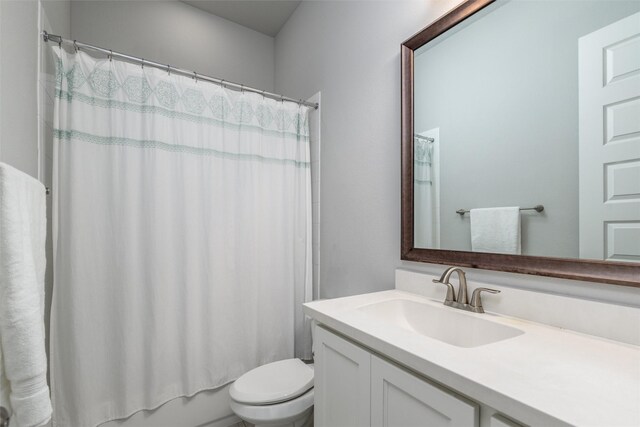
x=461, y=301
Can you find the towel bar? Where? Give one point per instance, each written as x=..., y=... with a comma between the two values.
x=537, y=208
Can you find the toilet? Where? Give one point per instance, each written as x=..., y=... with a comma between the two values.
x=275, y=394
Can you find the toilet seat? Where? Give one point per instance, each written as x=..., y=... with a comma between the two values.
x=273, y=383
x=284, y=412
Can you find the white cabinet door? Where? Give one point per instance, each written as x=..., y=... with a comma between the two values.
x=342, y=382
x=400, y=399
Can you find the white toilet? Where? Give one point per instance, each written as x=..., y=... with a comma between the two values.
x=275, y=394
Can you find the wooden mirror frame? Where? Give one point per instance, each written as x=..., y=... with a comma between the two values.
x=618, y=273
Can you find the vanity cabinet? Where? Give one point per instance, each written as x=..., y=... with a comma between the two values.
x=354, y=387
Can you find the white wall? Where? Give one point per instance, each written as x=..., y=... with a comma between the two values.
x=175, y=33
x=507, y=110
x=350, y=51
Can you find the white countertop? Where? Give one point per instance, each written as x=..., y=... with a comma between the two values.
x=546, y=376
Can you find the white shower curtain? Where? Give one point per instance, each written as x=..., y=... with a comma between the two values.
x=424, y=194
x=182, y=237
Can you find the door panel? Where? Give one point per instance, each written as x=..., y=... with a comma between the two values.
x=622, y=59
x=622, y=241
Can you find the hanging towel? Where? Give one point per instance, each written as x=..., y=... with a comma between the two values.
x=23, y=361
x=496, y=230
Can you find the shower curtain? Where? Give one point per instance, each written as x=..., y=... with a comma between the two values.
x=424, y=197
x=182, y=237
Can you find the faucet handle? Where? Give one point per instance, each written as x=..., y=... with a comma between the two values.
x=451, y=293
x=476, y=301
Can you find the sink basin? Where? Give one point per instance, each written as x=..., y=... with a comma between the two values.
x=445, y=324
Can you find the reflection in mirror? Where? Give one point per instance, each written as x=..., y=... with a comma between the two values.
x=531, y=104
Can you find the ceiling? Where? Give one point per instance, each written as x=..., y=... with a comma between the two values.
x=265, y=16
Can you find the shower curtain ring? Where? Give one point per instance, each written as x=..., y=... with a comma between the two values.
x=168, y=69
x=142, y=63
x=75, y=46
x=110, y=55
x=242, y=88
x=195, y=76
x=222, y=84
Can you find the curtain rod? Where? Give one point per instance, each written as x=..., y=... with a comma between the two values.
x=171, y=69
x=426, y=138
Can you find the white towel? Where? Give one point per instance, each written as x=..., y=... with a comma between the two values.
x=23, y=361
x=496, y=230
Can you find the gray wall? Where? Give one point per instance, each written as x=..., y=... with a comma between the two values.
x=507, y=109
x=18, y=84
x=178, y=34
x=26, y=105
x=26, y=115
x=350, y=51
x=22, y=117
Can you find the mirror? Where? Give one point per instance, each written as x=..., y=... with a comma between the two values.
x=521, y=124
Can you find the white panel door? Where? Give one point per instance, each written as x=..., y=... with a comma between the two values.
x=341, y=382
x=400, y=399
x=609, y=92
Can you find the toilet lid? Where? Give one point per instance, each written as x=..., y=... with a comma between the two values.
x=273, y=383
